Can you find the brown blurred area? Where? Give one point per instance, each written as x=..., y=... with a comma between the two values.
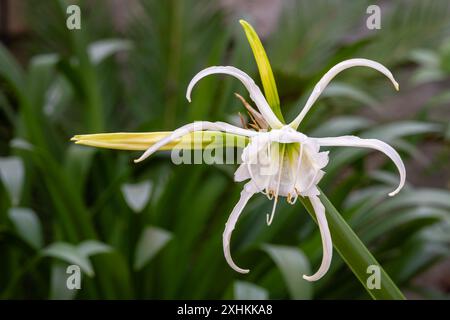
x=12, y=20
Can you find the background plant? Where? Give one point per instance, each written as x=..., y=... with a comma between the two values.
x=132, y=230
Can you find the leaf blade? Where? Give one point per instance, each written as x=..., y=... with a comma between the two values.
x=265, y=70
x=292, y=263
x=69, y=253
x=354, y=252
x=152, y=240
x=27, y=225
x=243, y=290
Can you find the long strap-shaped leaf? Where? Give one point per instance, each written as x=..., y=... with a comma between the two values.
x=354, y=252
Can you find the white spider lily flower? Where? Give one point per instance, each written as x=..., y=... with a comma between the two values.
x=282, y=161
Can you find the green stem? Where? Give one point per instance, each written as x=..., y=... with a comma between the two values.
x=354, y=252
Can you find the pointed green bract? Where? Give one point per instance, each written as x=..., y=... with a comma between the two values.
x=140, y=141
x=265, y=70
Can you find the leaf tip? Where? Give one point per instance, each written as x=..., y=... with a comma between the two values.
x=243, y=22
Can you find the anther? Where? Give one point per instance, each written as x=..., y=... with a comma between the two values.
x=289, y=198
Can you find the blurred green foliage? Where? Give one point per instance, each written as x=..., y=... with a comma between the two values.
x=154, y=230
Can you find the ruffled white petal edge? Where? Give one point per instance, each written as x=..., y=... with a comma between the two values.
x=327, y=244
x=352, y=141
x=191, y=127
x=246, y=194
x=323, y=82
x=254, y=91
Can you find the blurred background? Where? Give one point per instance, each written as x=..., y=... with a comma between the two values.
x=154, y=230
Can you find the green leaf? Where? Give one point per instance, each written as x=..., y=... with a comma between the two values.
x=425, y=75
x=100, y=50
x=391, y=131
x=387, y=177
x=152, y=240
x=137, y=195
x=27, y=225
x=70, y=254
x=340, y=89
x=265, y=70
x=12, y=175
x=293, y=264
x=415, y=198
x=339, y=126
x=413, y=215
x=21, y=144
x=77, y=164
x=11, y=71
x=56, y=97
x=354, y=252
x=92, y=247
x=7, y=109
x=46, y=60
x=244, y=290
x=40, y=72
x=425, y=57
x=387, y=133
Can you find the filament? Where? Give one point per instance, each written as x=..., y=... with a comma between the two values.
x=270, y=218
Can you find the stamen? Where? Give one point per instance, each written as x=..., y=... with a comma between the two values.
x=241, y=117
x=270, y=218
x=255, y=116
x=292, y=199
x=299, y=161
x=295, y=199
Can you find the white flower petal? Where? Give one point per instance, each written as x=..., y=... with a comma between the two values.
x=311, y=192
x=323, y=82
x=308, y=171
x=321, y=159
x=254, y=91
x=297, y=167
x=311, y=189
x=326, y=240
x=242, y=173
x=246, y=194
x=195, y=126
x=352, y=141
x=261, y=160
